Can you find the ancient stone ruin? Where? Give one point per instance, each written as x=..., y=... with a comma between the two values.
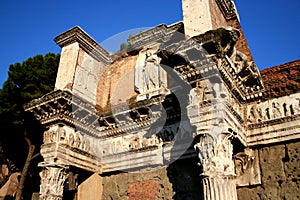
x=182, y=113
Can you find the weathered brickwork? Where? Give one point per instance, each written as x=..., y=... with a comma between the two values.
x=143, y=190
x=281, y=80
x=116, y=83
x=280, y=171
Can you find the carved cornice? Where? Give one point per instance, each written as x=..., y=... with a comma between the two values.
x=61, y=106
x=228, y=9
x=86, y=42
x=158, y=34
x=209, y=54
x=275, y=135
x=273, y=122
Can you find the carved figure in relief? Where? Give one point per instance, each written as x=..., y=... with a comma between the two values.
x=47, y=136
x=78, y=141
x=134, y=143
x=255, y=114
x=145, y=142
x=252, y=116
x=286, y=110
x=297, y=107
x=119, y=146
x=247, y=168
x=71, y=139
x=151, y=72
x=259, y=114
x=245, y=70
x=196, y=94
x=150, y=77
x=87, y=144
x=276, y=110
x=243, y=162
x=150, y=58
x=61, y=132
x=219, y=91
x=52, y=136
x=266, y=114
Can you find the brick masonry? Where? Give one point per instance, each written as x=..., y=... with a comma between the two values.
x=146, y=190
x=281, y=80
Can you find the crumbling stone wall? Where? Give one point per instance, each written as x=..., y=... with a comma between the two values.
x=280, y=172
x=180, y=180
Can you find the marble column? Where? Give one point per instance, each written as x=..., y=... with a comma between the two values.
x=217, y=188
x=52, y=182
x=218, y=175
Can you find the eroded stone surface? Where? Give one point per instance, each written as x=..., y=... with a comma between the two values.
x=280, y=171
x=178, y=181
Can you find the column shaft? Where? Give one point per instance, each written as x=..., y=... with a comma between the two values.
x=219, y=188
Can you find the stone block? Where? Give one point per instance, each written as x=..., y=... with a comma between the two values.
x=91, y=189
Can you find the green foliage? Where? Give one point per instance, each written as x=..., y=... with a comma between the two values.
x=123, y=46
x=26, y=81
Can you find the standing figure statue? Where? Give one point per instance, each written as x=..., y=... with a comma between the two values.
x=151, y=72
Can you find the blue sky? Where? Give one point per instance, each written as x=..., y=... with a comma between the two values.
x=272, y=28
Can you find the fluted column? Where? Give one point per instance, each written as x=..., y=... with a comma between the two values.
x=219, y=188
x=218, y=176
x=52, y=182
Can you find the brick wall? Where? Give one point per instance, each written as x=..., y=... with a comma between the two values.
x=281, y=80
x=146, y=190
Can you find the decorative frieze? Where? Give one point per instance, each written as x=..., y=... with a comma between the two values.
x=273, y=109
x=67, y=135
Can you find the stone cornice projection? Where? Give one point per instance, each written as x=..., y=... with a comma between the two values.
x=158, y=34
x=281, y=80
x=86, y=42
x=63, y=107
x=240, y=74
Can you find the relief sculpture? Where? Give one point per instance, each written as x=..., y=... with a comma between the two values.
x=275, y=109
x=247, y=168
x=150, y=77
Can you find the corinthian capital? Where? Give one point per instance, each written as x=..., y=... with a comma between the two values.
x=215, y=154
